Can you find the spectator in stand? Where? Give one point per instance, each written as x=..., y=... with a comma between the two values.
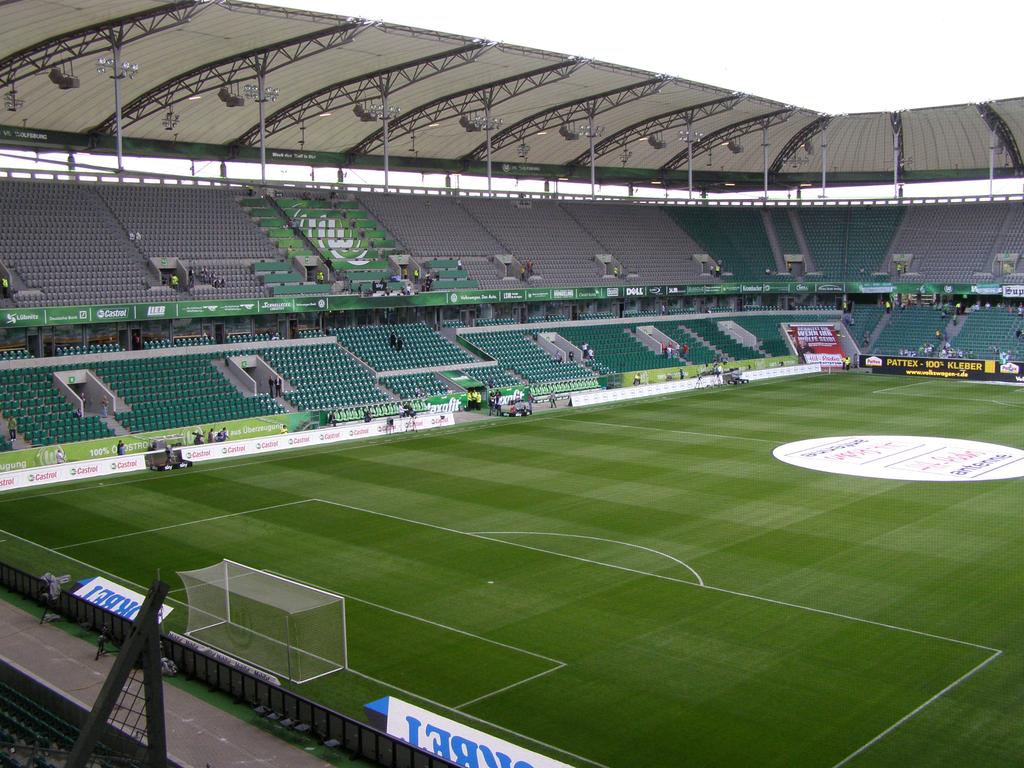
x=61, y=458
x=12, y=428
x=280, y=386
x=121, y=449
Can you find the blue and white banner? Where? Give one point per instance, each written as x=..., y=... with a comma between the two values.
x=453, y=741
x=114, y=598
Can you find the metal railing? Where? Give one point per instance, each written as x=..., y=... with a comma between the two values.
x=136, y=178
x=326, y=725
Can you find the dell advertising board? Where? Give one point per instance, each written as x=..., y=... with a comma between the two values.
x=936, y=368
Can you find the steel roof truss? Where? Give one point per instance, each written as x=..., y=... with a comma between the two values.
x=729, y=132
x=210, y=77
x=561, y=114
x=96, y=39
x=366, y=86
x=997, y=124
x=663, y=122
x=798, y=140
x=487, y=96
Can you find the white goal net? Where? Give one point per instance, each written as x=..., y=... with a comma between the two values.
x=287, y=628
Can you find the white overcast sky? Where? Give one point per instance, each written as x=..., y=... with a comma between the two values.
x=829, y=56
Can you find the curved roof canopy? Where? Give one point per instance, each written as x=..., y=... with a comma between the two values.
x=328, y=79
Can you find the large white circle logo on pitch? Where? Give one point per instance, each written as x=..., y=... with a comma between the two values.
x=903, y=457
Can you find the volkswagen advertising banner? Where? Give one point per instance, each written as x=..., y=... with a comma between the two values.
x=937, y=368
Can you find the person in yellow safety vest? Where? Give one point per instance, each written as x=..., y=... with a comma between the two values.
x=522, y=272
x=320, y=276
x=5, y=284
x=416, y=275
x=174, y=281
x=846, y=362
x=615, y=270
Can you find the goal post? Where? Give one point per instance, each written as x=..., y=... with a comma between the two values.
x=283, y=626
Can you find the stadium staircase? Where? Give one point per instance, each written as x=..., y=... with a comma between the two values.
x=413, y=385
x=984, y=333
x=708, y=333
x=326, y=377
x=736, y=239
x=616, y=348
x=869, y=320
x=775, y=236
x=514, y=352
x=44, y=415
x=179, y=391
x=910, y=328
x=346, y=238
x=422, y=347
x=449, y=276
x=289, y=274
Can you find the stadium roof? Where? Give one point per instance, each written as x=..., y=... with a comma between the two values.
x=324, y=66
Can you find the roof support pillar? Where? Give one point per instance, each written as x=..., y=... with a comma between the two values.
x=261, y=87
x=590, y=137
x=487, y=129
x=764, y=151
x=991, y=161
x=824, y=158
x=896, y=120
x=117, y=105
x=387, y=119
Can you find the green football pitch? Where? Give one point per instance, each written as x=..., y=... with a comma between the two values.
x=629, y=585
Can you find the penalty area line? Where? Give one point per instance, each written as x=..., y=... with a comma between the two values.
x=180, y=525
x=917, y=710
x=439, y=705
x=689, y=582
x=667, y=556
x=516, y=684
x=431, y=622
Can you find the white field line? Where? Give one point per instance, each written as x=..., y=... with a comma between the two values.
x=88, y=566
x=227, y=464
x=435, y=623
x=899, y=387
x=595, y=538
x=945, y=398
x=910, y=715
x=179, y=525
x=383, y=439
x=478, y=719
x=512, y=543
x=723, y=590
x=558, y=664
x=676, y=431
x=995, y=653
x=478, y=699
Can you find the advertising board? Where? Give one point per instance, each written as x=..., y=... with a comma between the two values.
x=938, y=368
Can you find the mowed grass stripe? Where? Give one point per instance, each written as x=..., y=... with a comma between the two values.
x=942, y=560
x=656, y=624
